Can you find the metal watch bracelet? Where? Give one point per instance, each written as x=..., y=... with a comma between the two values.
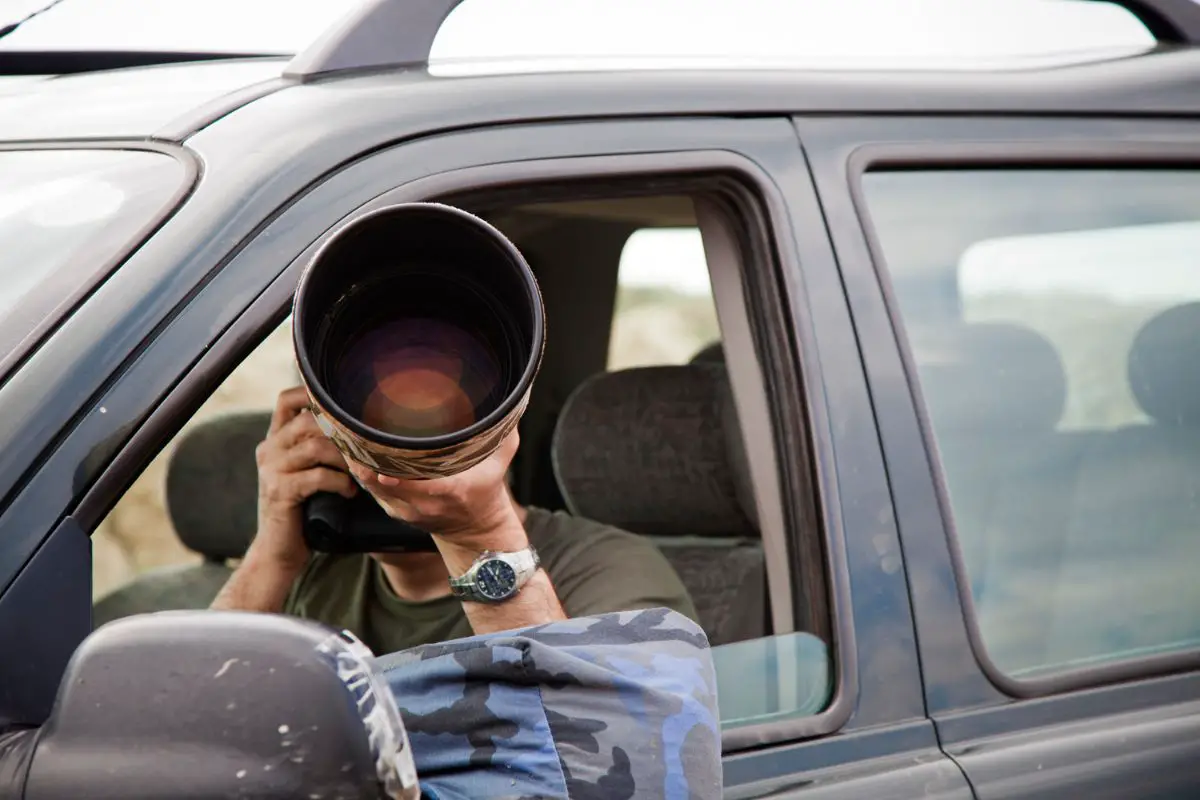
x=495, y=577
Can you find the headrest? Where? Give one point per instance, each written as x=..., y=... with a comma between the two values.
x=1164, y=366
x=212, y=484
x=648, y=450
x=713, y=353
x=991, y=376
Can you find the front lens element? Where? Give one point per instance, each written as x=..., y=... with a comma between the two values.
x=418, y=377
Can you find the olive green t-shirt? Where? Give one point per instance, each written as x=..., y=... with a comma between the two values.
x=595, y=569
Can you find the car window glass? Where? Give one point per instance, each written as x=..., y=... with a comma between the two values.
x=63, y=215
x=1054, y=320
x=664, y=308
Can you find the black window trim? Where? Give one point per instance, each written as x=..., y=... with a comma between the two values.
x=271, y=306
x=94, y=277
x=950, y=156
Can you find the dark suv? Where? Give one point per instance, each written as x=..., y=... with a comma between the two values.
x=944, y=530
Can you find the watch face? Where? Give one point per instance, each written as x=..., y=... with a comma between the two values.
x=495, y=579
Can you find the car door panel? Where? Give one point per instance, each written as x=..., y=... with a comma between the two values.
x=1145, y=750
x=900, y=763
x=1105, y=731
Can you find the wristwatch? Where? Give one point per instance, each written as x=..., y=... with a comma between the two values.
x=496, y=577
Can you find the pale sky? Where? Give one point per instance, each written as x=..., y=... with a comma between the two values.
x=858, y=31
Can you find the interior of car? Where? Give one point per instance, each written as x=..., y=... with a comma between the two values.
x=633, y=421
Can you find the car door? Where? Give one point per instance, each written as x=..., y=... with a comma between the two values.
x=870, y=733
x=1023, y=293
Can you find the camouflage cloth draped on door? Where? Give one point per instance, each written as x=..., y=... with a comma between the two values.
x=614, y=706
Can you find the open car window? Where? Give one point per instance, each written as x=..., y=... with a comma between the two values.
x=632, y=417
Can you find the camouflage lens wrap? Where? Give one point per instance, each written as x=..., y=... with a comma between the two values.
x=413, y=464
x=613, y=706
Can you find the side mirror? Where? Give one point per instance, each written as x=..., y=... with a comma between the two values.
x=207, y=704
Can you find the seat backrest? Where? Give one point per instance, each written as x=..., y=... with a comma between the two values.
x=655, y=450
x=1126, y=580
x=995, y=393
x=212, y=499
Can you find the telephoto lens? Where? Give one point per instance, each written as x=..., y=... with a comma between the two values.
x=418, y=330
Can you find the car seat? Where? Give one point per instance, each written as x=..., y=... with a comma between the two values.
x=1125, y=578
x=212, y=499
x=657, y=451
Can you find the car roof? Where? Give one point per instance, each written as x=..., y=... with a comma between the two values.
x=982, y=60
x=172, y=102
x=124, y=103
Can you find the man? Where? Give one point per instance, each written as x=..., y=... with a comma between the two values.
x=397, y=601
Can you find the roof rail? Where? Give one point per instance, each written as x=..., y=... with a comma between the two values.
x=380, y=33
x=400, y=33
x=1171, y=21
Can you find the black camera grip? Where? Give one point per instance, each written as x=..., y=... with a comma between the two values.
x=335, y=524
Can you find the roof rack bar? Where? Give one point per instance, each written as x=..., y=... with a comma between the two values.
x=1171, y=21
x=400, y=33
x=380, y=33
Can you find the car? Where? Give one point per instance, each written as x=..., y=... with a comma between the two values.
x=887, y=343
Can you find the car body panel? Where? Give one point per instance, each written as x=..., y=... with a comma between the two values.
x=1135, y=738
x=129, y=103
x=146, y=101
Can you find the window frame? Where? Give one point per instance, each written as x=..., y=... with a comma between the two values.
x=270, y=307
x=1035, y=154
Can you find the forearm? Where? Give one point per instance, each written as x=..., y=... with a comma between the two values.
x=258, y=584
x=536, y=604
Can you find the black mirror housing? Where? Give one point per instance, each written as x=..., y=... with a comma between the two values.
x=207, y=704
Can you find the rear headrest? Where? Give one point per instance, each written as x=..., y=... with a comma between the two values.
x=713, y=353
x=1164, y=366
x=991, y=376
x=212, y=484
x=649, y=450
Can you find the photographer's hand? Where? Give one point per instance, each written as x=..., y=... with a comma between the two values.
x=295, y=461
x=468, y=514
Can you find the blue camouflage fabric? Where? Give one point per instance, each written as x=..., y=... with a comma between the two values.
x=614, y=706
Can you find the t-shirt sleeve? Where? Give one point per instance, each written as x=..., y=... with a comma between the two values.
x=603, y=569
x=292, y=605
